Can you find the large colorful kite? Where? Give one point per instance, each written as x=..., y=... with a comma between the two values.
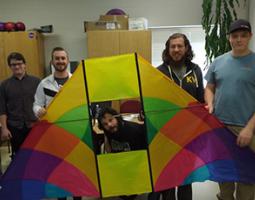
x=185, y=143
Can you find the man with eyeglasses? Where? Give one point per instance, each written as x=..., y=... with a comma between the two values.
x=16, y=102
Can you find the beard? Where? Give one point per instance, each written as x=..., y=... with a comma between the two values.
x=112, y=130
x=60, y=68
x=177, y=63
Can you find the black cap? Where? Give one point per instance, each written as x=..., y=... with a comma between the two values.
x=239, y=24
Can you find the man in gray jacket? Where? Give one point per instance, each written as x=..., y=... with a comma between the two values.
x=51, y=85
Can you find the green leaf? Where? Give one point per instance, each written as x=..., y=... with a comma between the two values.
x=215, y=23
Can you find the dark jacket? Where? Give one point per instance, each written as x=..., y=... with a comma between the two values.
x=192, y=81
x=130, y=136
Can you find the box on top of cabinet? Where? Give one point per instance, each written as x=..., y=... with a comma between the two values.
x=122, y=20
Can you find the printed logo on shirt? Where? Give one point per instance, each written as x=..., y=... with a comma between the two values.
x=190, y=79
x=119, y=146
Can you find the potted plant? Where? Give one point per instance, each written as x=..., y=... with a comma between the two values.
x=217, y=16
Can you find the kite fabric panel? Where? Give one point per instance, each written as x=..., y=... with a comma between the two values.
x=193, y=145
x=185, y=143
x=113, y=79
x=57, y=158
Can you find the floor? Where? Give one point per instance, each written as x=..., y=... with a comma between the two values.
x=201, y=191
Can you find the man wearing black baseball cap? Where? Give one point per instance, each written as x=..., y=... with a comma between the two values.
x=240, y=24
x=234, y=75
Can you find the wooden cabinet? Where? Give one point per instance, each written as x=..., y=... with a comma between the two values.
x=108, y=43
x=3, y=68
x=30, y=44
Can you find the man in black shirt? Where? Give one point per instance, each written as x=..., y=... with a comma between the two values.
x=16, y=102
x=121, y=135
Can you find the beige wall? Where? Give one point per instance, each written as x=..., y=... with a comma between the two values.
x=67, y=17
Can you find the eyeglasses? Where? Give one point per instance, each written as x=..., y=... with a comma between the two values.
x=16, y=64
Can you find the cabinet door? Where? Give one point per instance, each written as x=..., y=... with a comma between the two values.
x=102, y=43
x=30, y=45
x=136, y=41
x=3, y=66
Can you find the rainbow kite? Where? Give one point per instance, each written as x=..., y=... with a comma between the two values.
x=185, y=143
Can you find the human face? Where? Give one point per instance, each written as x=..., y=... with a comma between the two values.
x=239, y=41
x=110, y=123
x=177, y=49
x=18, y=67
x=60, y=61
